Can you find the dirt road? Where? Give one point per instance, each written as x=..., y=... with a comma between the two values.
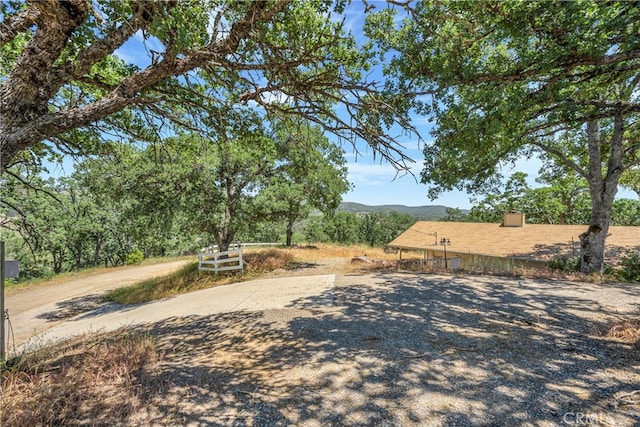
x=36, y=309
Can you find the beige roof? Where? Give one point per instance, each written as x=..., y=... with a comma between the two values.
x=531, y=241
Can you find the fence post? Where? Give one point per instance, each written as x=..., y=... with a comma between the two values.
x=215, y=261
x=2, y=316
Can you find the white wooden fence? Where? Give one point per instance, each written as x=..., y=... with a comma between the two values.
x=210, y=260
x=238, y=245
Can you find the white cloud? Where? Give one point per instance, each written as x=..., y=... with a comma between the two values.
x=421, y=121
x=372, y=175
x=125, y=55
x=413, y=145
x=276, y=98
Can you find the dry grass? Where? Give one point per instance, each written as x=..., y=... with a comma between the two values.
x=346, y=254
x=266, y=260
x=257, y=262
x=178, y=282
x=504, y=268
x=322, y=251
x=627, y=330
x=189, y=279
x=91, y=380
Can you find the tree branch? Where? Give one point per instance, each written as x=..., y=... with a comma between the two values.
x=16, y=24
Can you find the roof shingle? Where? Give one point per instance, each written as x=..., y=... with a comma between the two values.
x=531, y=242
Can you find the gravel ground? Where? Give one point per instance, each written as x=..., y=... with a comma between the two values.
x=405, y=350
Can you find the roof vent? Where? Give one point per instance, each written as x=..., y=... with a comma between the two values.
x=513, y=219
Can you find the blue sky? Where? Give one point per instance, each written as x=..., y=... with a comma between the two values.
x=378, y=183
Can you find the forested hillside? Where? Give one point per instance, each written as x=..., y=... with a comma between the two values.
x=426, y=213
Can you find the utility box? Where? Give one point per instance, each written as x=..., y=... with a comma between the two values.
x=513, y=219
x=11, y=269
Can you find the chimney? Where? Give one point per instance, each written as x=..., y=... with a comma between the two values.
x=513, y=219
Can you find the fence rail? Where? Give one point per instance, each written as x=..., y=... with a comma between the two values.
x=238, y=245
x=210, y=260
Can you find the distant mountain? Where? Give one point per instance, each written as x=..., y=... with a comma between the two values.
x=431, y=212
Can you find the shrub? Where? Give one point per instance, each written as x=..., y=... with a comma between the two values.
x=135, y=257
x=630, y=263
x=566, y=264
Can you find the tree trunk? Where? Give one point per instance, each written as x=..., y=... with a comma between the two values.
x=57, y=261
x=224, y=237
x=289, y=232
x=603, y=190
x=97, y=248
x=224, y=243
x=592, y=248
x=78, y=256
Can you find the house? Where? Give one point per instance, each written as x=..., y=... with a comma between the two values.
x=532, y=245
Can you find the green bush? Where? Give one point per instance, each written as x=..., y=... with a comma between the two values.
x=566, y=264
x=630, y=266
x=135, y=257
x=608, y=269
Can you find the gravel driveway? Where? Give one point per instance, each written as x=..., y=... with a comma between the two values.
x=404, y=350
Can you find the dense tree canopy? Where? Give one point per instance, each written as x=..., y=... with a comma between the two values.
x=311, y=174
x=59, y=224
x=371, y=228
x=509, y=79
x=560, y=199
x=243, y=174
x=63, y=87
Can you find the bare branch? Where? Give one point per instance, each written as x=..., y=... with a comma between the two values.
x=29, y=185
x=561, y=155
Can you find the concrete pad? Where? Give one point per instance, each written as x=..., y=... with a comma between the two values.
x=257, y=295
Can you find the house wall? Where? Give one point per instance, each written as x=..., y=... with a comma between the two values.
x=473, y=261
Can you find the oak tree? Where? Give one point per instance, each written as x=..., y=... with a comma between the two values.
x=61, y=71
x=311, y=174
x=508, y=79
